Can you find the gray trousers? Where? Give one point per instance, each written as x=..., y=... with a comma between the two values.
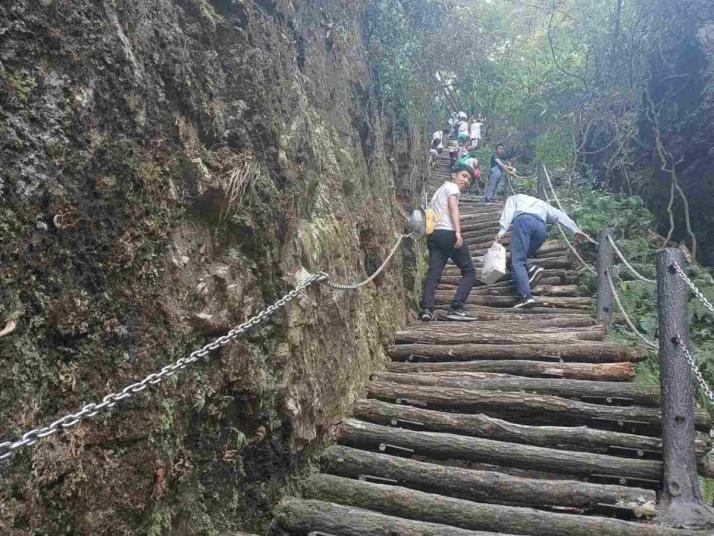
x=494, y=178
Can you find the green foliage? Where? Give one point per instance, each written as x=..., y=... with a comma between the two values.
x=396, y=55
x=555, y=148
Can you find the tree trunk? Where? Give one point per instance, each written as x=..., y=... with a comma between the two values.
x=603, y=308
x=528, y=408
x=631, y=393
x=613, y=372
x=447, y=336
x=302, y=516
x=583, y=351
x=398, y=501
x=681, y=504
x=484, y=486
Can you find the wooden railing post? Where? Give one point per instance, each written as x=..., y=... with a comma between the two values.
x=540, y=186
x=681, y=502
x=604, y=270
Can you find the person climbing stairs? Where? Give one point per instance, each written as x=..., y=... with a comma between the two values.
x=510, y=421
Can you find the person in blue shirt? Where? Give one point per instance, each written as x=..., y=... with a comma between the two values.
x=499, y=166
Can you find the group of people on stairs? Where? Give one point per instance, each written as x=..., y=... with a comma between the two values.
x=525, y=215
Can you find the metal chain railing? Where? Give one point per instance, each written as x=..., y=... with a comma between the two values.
x=627, y=264
x=629, y=323
x=693, y=287
x=7, y=448
x=695, y=370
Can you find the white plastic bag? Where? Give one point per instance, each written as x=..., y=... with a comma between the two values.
x=494, y=264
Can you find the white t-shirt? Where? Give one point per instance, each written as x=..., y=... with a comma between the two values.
x=475, y=130
x=440, y=205
x=463, y=126
x=436, y=136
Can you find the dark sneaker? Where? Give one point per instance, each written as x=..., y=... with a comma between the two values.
x=426, y=315
x=525, y=302
x=534, y=274
x=457, y=312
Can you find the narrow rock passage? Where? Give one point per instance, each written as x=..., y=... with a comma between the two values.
x=517, y=422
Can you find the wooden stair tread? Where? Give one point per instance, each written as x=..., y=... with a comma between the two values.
x=428, y=507
x=440, y=445
x=542, y=409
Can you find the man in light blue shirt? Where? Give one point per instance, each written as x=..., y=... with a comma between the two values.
x=528, y=215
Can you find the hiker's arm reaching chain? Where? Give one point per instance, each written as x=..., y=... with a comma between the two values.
x=575, y=252
x=627, y=264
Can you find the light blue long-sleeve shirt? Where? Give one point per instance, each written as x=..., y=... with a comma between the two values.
x=525, y=204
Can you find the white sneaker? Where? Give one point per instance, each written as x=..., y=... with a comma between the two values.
x=525, y=303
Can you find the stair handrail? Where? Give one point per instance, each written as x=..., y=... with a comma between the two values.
x=92, y=409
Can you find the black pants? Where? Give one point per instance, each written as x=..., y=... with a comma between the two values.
x=441, y=249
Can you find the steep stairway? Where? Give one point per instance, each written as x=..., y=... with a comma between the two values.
x=512, y=422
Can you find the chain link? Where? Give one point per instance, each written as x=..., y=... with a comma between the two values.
x=627, y=264
x=632, y=327
x=7, y=448
x=695, y=369
x=691, y=285
x=355, y=286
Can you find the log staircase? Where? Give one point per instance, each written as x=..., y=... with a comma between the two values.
x=514, y=422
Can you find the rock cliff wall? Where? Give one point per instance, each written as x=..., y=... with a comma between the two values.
x=167, y=169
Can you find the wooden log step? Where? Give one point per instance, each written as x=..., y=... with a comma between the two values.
x=582, y=303
x=484, y=486
x=617, y=393
x=300, y=516
x=548, y=335
x=502, y=290
x=487, y=216
x=612, y=372
x=513, y=323
x=521, y=407
x=580, y=438
x=480, y=309
x=418, y=505
x=565, y=276
x=578, y=351
x=480, y=228
x=548, y=287
x=562, y=262
x=435, y=445
x=497, y=314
